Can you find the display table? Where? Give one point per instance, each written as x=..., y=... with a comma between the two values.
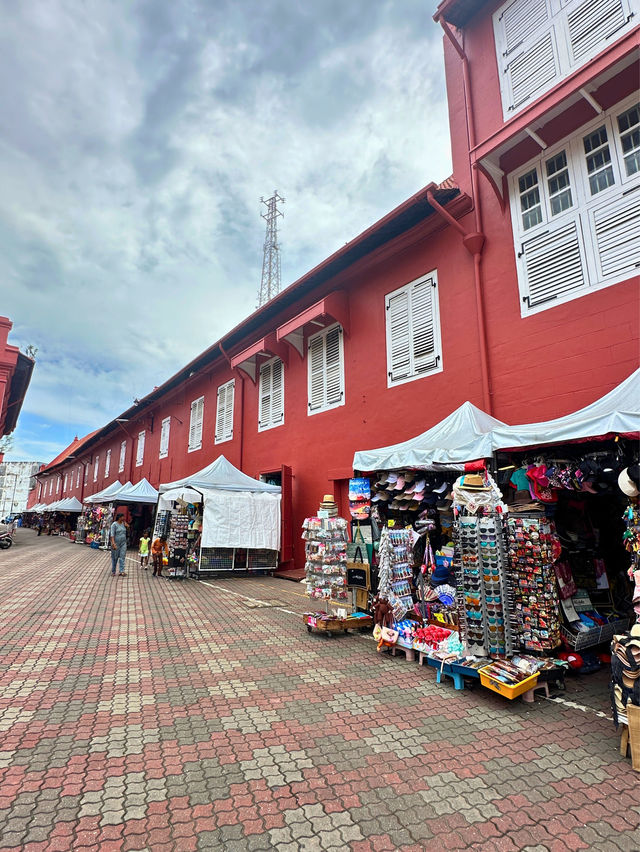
x=331, y=624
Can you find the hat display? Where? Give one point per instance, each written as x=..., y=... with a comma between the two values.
x=626, y=482
x=329, y=506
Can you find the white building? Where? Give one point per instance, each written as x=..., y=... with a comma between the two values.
x=16, y=480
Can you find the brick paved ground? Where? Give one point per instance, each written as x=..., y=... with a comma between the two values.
x=141, y=714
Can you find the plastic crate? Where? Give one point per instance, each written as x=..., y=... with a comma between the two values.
x=595, y=636
x=510, y=691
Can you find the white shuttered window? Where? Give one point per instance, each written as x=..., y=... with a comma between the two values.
x=540, y=42
x=326, y=370
x=195, y=424
x=576, y=212
x=123, y=452
x=224, y=412
x=271, y=400
x=78, y=477
x=96, y=465
x=107, y=463
x=140, y=448
x=164, y=437
x=413, y=331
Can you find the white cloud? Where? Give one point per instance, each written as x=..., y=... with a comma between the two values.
x=137, y=143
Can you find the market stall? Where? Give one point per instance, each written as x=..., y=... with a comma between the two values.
x=137, y=503
x=96, y=517
x=219, y=520
x=522, y=554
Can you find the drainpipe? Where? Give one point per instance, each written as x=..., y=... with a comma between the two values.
x=472, y=241
x=241, y=418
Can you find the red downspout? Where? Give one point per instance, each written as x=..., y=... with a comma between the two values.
x=473, y=242
x=241, y=377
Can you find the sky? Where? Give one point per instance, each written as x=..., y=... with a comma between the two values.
x=136, y=140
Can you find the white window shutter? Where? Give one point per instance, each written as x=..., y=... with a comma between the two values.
x=107, y=463
x=592, y=23
x=333, y=366
x=316, y=367
x=553, y=264
x=265, y=412
x=224, y=412
x=399, y=335
x=228, y=411
x=277, y=392
x=518, y=20
x=96, y=463
x=164, y=437
x=532, y=70
x=616, y=231
x=195, y=424
x=140, y=448
x=123, y=452
x=423, y=331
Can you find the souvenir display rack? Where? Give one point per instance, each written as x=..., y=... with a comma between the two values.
x=485, y=607
x=534, y=582
x=326, y=559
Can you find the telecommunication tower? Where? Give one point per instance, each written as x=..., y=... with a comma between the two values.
x=270, y=282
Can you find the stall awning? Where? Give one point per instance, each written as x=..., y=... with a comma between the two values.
x=69, y=504
x=616, y=413
x=222, y=475
x=141, y=492
x=463, y=436
x=253, y=356
x=106, y=492
x=51, y=507
x=333, y=308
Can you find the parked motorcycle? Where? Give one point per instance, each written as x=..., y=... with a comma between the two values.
x=6, y=540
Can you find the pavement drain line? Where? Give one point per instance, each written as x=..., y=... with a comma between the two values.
x=256, y=603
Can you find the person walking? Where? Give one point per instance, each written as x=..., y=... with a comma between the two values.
x=159, y=548
x=144, y=549
x=40, y=525
x=118, y=540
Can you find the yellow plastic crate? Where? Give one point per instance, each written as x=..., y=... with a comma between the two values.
x=506, y=689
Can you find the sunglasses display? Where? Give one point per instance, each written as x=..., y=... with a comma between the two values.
x=484, y=591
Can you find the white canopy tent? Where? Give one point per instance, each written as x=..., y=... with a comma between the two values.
x=107, y=492
x=69, y=504
x=464, y=436
x=616, y=413
x=238, y=511
x=141, y=492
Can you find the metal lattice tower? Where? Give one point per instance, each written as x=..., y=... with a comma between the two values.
x=270, y=282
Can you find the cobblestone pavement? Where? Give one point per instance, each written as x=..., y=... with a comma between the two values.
x=139, y=713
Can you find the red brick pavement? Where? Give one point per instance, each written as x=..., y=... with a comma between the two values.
x=139, y=714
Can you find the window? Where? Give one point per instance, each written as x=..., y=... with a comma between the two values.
x=78, y=477
x=530, y=199
x=107, y=463
x=50, y=486
x=540, y=42
x=195, y=425
x=629, y=129
x=558, y=184
x=326, y=370
x=271, y=400
x=164, y=437
x=579, y=227
x=413, y=331
x=140, y=449
x=598, y=157
x=86, y=473
x=64, y=487
x=58, y=482
x=39, y=491
x=224, y=412
x=123, y=453
x=96, y=463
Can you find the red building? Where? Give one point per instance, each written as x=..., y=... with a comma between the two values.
x=512, y=285
x=15, y=375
